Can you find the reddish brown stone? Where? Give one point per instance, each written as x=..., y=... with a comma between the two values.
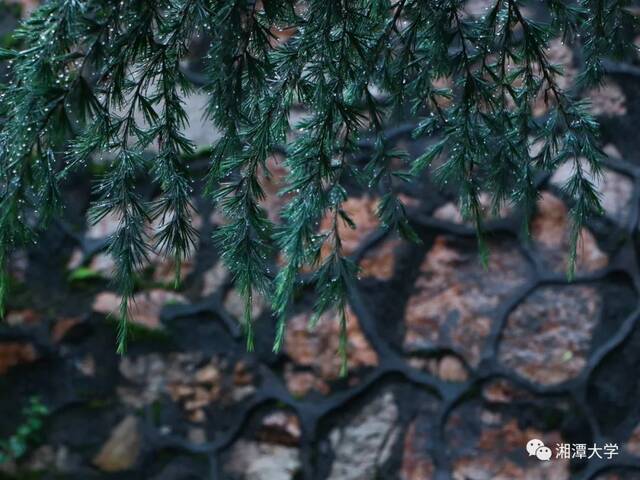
x=242, y=374
x=454, y=294
x=550, y=230
x=197, y=416
x=301, y=383
x=165, y=271
x=209, y=374
x=13, y=354
x=451, y=369
x=448, y=368
x=318, y=349
x=190, y=379
x=503, y=391
x=62, y=327
x=380, y=262
x=487, y=445
x=548, y=336
x=416, y=462
x=362, y=211
x=144, y=309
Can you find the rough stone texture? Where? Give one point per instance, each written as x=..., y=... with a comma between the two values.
x=251, y=460
x=450, y=212
x=214, y=278
x=448, y=368
x=379, y=262
x=416, y=462
x=191, y=380
x=615, y=189
x=362, y=445
x=234, y=304
x=608, y=100
x=318, y=349
x=550, y=230
x=454, y=295
x=504, y=392
x=491, y=446
x=145, y=308
x=547, y=338
x=362, y=211
x=301, y=383
x=419, y=440
x=280, y=427
x=121, y=450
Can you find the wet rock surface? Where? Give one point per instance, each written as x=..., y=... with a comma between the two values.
x=121, y=449
x=454, y=296
x=547, y=337
x=316, y=351
x=550, y=230
x=475, y=434
x=363, y=445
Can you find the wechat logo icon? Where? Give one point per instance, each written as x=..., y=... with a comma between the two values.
x=536, y=448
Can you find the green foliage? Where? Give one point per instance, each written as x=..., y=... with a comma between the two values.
x=104, y=78
x=16, y=446
x=83, y=274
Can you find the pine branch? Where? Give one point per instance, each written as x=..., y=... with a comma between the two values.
x=105, y=80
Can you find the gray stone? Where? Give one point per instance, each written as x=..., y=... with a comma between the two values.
x=364, y=444
x=262, y=461
x=122, y=448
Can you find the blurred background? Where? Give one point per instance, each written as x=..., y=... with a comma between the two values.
x=452, y=368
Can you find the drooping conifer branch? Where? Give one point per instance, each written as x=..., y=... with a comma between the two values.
x=95, y=79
